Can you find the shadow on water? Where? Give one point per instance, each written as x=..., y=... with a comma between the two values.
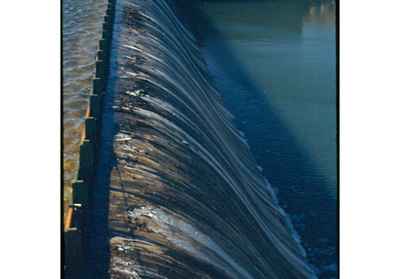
x=99, y=233
x=302, y=188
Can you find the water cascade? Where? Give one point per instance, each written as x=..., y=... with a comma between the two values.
x=186, y=198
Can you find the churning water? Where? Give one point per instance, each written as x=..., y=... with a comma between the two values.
x=82, y=22
x=186, y=198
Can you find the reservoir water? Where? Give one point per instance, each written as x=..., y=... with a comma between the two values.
x=275, y=64
x=82, y=22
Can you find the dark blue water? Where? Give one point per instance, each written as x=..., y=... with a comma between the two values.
x=274, y=63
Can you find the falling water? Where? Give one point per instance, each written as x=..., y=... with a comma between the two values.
x=186, y=198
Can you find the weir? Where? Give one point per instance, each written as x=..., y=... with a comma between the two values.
x=167, y=186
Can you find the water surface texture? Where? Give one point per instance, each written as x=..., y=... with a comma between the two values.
x=274, y=63
x=82, y=24
x=186, y=198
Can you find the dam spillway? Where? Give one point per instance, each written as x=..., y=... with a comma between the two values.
x=185, y=198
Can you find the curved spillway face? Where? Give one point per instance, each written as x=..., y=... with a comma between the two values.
x=186, y=198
